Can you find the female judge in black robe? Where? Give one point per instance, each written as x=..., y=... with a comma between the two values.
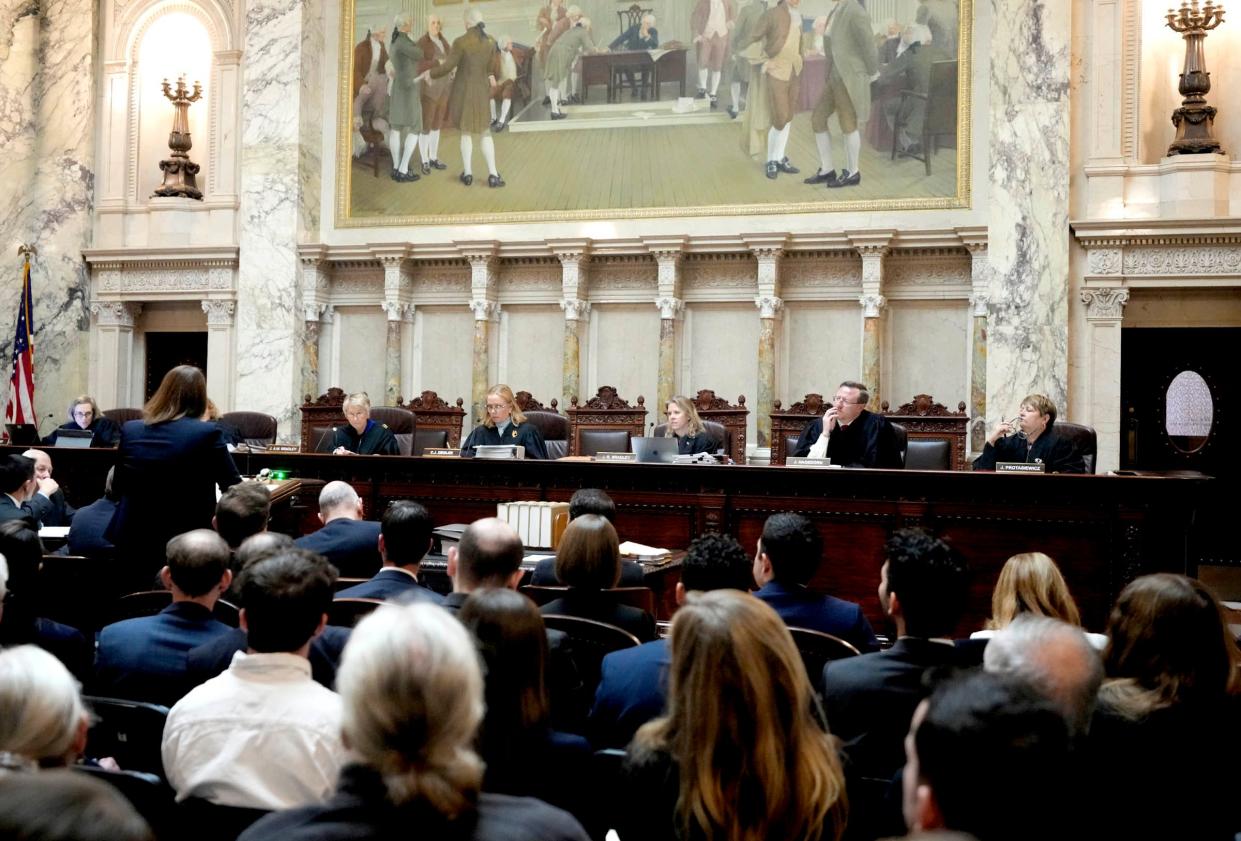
x=505, y=424
x=685, y=426
x=1035, y=441
x=362, y=436
x=84, y=414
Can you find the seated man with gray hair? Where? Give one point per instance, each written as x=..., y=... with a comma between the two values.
x=413, y=701
x=348, y=541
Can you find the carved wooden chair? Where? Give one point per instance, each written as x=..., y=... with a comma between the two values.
x=940, y=115
x=319, y=415
x=926, y=420
x=604, y=423
x=553, y=426
x=123, y=416
x=255, y=427
x=431, y=412
x=401, y=423
x=632, y=16
x=732, y=419
x=787, y=424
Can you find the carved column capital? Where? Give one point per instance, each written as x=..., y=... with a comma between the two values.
x=768, y=275
x=485, y=310
x=312, y=311
x=575, y=309
x=407, y=313
x=668, y=271
x=1105, y=304
x=769, y=306
x=872, y=305
x=979, y=305
x=329, y=315
x=116, y=313
x=670, y=307
x=393, y=309
x=219, y=313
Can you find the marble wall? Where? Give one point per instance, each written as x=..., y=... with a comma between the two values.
x=821, y=348
x=623, y=344
x=531, y=338
x=360, y=350
x=927, y=351
x=47, y=118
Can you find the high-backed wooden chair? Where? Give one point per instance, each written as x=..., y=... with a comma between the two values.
x=604, y=423
x=553, y=426
x=817, y=648
x=123, y=416
x=433, y=412
x=319, y=415
x=924, y=419
x=129, y=731
x=787, y=424
x=256, y=428
x=1084, y=440
x=401, y=424
x=642, y=598
x=940, y=116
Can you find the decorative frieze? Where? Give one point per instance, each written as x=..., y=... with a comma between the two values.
x=116, y=313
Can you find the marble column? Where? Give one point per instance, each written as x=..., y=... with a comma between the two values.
x=281, y=139
x=769, y=306
x=47, y=134
x=316, y=278
x=873, y=303
x=398, y=286
x=1028, y=205
x=671, y=313
x=1105, y=310
x=114, y=354
x=979, y=285
x=486, y=311
x=220, y=352
x=574, y=260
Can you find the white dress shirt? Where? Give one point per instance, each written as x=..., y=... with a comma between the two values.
x=262, y=735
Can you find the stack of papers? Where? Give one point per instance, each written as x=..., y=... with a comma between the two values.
x=642, y=553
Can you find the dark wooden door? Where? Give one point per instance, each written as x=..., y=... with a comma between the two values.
x=166, y=351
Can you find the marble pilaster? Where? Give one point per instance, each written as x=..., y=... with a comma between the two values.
x=769, y=306
x=1028, y=204
x=316, y=277
x=47, y=132
x=1105, y=310
x=574, y=261
x=114, y=353
x=279, y=201
x=671, y=313
x=220, y=351
x=873, y=250
x=979, y=285
x=398, y=288
x=486, y=310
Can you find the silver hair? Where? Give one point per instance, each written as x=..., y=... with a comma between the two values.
x=648, y=17
x=336, y=495
x=40, y=705
x=1055, y=658
x=402, y=19
x=413, y=699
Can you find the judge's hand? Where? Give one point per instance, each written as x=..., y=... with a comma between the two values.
x=342, y=451
x=999, y=431
x=829, y=419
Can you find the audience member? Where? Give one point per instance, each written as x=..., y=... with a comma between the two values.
x=1056, y=659
x=84, y=414
x=43, y=722
x=523, y=754
x=346, y=539
x=168, y=468
x=242, y=512
x=144, y=659
x=24, y=497
x=988, y=756
x=61, y=513
x=65, y=805
x=404, y=539
x=90, y=524
x=1031, y=583
x=263, y=735
x=413, y=699
x=739, y=754
x=589, y=501
x=633, y=686
x=21, y=623
x=588, y=563
x=870, y=699
x=1169, y=724
x=789, y=553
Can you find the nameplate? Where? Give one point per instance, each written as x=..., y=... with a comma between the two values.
x=1019, y=467
x=803, y=461
x=278, y=448
x=616, y=456
x=441, y=452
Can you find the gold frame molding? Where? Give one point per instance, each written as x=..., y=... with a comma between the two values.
x=344, y=168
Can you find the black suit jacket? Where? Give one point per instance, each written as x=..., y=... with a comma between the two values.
x=105, y=430
x=375, y=440
x=870, y=441
x=390, y=583
x=210, y=659
x=1058, y=454
x=351, y=545
x=525, y=435
x=599, y=606
x=166, y=476
x=61, y=513
x=871, y=699
x=544, y=574
x=86, y=534
x=32, y=510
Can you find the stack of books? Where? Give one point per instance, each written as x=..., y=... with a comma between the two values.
x=539, y=524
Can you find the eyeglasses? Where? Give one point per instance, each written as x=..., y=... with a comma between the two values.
x=842, y=401
x=492, y=408
x=88, y=413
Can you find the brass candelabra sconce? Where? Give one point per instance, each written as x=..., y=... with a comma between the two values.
x=1194, y=119
x=179, y=171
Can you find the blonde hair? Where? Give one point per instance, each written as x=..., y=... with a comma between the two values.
x=691, y=413
x=1042, y=404
x=1031, y=583
x=753, y=761
x=413, y=700
x=358, y=398
x=41, y=710
x=506, y=394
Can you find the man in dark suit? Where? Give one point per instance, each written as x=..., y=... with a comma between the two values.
x=849, y=435
x=144, y=659
x=870, y=699
x=633, y=685
x=589, y=501
x=22, y=496
x=404, y=538
x=348, y=541
x=789, y=552
x=90, y=523
x=61, y=513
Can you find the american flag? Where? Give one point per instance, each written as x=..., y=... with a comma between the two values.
x=20, y=408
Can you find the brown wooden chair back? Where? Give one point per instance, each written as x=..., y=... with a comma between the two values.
x=607, y=413
x=926, y=420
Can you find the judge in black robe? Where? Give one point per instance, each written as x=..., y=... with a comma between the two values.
x=375, y=439
x=1035, y=442
x=84, y=415
x=686, y=426
x=868, y=441
x=504, y=424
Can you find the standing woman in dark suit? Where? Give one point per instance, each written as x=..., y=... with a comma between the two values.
x=685, y=426
x=505, y=424
x=84, y=414
x=169, y=465
x=362, y=436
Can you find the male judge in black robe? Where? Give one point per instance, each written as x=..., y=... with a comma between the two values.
x=1035, y=442
x=849, y=435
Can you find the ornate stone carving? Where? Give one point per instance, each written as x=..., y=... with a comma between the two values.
x=430, y=400
x=612, y=276
x=357, y=282
x=924, y=405
x=872, y=305
x=673, y=308
x=1104, y=260
x=935, y=271
x=485, y=310
x=769, y=306
x=575, y=309
x=312, y=311
x=979, y=305
x=1205, y=259
x=170, y=279
x=1107, y=303
x=706, y=401
x=395, y=310
x=526, y=402
x=219, y=313
x=332, y=397
x=811, y=404
x=116, y=313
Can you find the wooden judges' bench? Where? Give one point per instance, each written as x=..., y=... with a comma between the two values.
x=1102, y=530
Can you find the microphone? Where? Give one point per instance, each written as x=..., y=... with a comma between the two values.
x=319, y=443
x=651, y=430
x=48, y=416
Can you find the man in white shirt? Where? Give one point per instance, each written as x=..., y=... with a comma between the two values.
x=264, y=735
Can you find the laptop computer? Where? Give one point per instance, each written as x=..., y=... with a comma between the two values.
x=79, y=438
x=654, y=450
x=22, y=434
